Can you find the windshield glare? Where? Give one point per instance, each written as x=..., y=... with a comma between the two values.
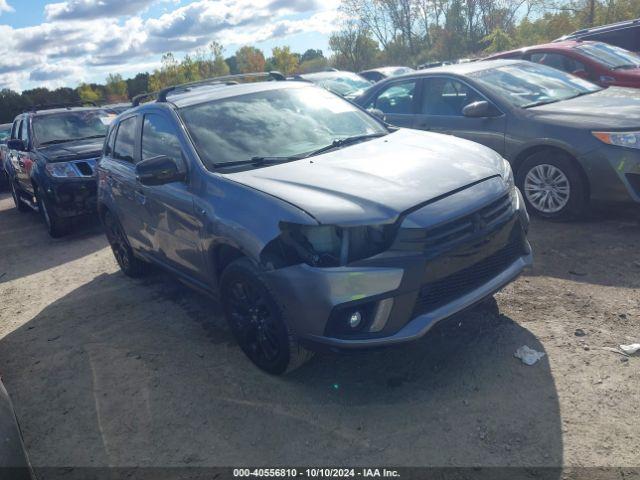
x=275, y=123
x=343, y=83
x=610, y=55
x=528, y=84
x=69, y=126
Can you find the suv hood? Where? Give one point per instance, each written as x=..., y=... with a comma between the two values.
x=75, y=150
x=373, y=182
x=611, y=108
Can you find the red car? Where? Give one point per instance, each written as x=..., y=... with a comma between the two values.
x=597, y=62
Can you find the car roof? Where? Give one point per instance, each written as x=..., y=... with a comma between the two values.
x=52, y=111
x=602, y=28
x=206, y=93
x=6, y=125
x=331, y=74
x=384, y=69
x=463, y=68
x=552, y=46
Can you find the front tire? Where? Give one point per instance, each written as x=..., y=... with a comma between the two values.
x=20, y=205
x=130, y=265
x=56, y=227
x=552, y=186
x=257, y=321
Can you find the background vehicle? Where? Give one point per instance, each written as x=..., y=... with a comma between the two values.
x=594, y=61
x=5, y=132
x=567, y=139
x=622, y=34
x=118, y=107
x=345, y=84
x=377, y=74
x=52, y=158
x=14, y=461
x=317, y=226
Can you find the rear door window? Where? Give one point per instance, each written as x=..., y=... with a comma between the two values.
x=396, y=98
x=124, y=148
x=447, y=97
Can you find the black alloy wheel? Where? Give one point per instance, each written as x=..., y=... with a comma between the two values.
x=257, y=322
x=130, y=265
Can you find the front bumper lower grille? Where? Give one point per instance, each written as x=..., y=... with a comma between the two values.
x=442, y=291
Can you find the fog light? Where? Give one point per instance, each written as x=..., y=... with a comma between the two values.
x=355, y=319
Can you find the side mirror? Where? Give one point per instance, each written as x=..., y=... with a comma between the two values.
x=479, y=109
x=16, y=144
x=377, y=113
x=160, y=171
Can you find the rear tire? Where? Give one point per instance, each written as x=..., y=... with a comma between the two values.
x=257, y=321
x=56, y=227
x=552, y=186
x=20, y=205
x=130, y=265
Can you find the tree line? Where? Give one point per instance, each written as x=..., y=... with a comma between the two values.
x=375, y=33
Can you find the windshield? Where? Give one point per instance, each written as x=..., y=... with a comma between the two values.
x=73, y=125
x=275, y=123
x=5, y=133
x=610, y=55
x=342, y=83
x=529, y=84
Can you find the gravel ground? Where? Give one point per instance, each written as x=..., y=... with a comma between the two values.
x=109, y=371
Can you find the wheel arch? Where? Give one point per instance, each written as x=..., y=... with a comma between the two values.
x=533, y=150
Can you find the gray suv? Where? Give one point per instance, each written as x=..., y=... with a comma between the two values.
x=315, y=224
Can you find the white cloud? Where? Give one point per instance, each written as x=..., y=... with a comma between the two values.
x=5, y=7
x=65, y=52
x=91, y=9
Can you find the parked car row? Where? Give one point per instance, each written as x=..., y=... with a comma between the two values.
x=569, y=141
x=318, y=225
x=329, y=212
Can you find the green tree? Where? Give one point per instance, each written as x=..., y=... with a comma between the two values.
x=250, y=59
x=498, y=41
x=88, y=93
x=353, y=48
x=116, y=88
x=138, y=84
x=284, y=60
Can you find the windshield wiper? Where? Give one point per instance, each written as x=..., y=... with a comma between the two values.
x=342, y=142
x=53, y=142
x=260, y=161
x=88, y=138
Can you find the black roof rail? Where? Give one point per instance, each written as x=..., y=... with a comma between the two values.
x=69, y=105
x=224, y=79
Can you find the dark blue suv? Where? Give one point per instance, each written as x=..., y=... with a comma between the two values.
x=50, y=162
x=315, y=224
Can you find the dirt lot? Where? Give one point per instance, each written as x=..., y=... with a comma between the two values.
x=105, y=370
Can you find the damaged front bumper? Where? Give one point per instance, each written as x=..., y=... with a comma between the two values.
x=433, y=270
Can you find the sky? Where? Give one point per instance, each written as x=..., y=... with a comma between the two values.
x=63, y=43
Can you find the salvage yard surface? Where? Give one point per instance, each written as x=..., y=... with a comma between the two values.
x=109, y=371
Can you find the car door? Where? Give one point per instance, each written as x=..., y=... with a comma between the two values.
x=120, y=176
x=12, y=154
x=169, y=209
x=25, y=158
x=397, y=101
x=442, y=102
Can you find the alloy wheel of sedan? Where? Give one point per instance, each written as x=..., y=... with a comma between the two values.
x=547, y=188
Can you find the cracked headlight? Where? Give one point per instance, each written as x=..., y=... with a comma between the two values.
x=328, y=245
x=620, y=139
x=62, y=170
